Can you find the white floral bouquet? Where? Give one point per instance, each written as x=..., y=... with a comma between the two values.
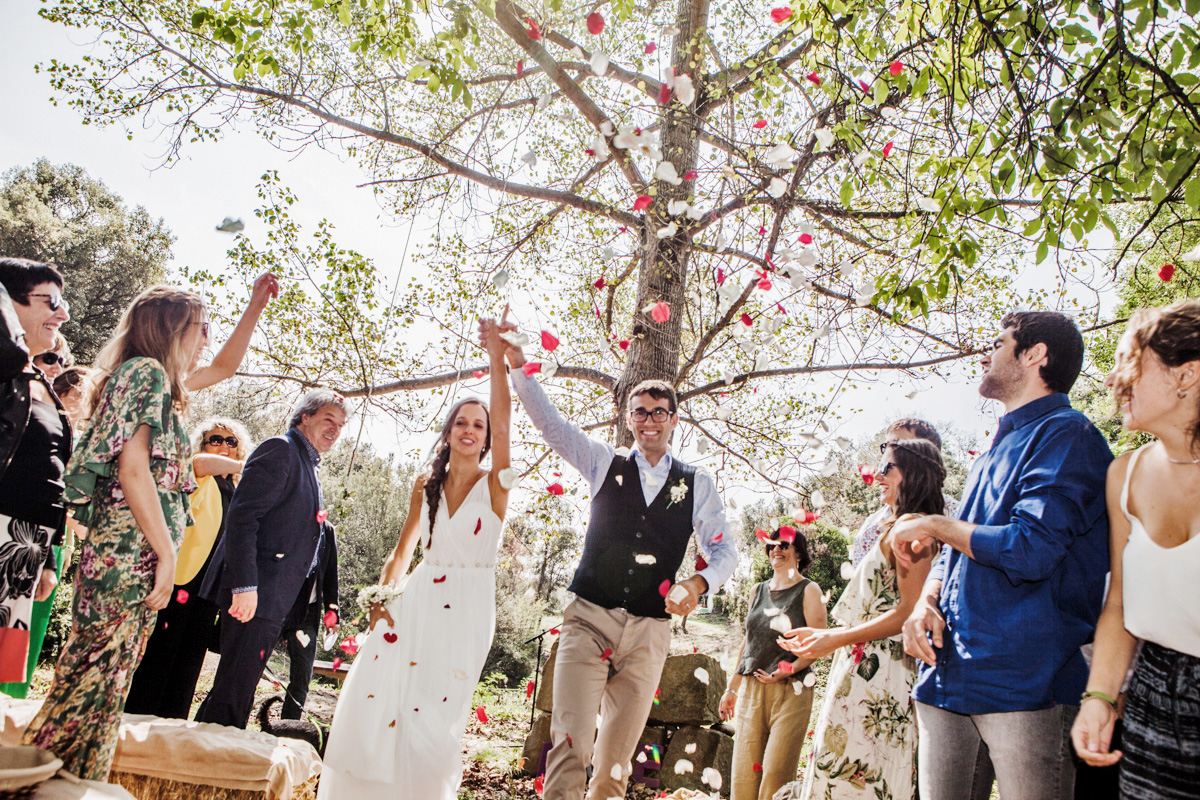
x=378, y=593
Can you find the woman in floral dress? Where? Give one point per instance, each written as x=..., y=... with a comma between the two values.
x=865, y=743
x=129, y=479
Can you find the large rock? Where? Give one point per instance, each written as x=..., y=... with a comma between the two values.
x=685, y=699
x=545, y=693
x=712, y=749
x=539, y=737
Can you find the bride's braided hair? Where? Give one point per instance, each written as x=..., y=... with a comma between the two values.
x=441, y=459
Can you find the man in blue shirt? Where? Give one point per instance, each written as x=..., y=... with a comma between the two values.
x=1019, y=584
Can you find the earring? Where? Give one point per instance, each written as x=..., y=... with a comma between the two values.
x=1180, y=393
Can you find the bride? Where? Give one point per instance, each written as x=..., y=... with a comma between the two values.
x=403, y=709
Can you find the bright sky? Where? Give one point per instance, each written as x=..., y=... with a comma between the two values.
x=213, y=181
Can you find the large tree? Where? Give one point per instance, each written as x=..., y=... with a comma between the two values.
x=731, y=197
x=106, y=251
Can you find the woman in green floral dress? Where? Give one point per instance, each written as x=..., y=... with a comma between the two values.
x=865, y=743
x=129, y=479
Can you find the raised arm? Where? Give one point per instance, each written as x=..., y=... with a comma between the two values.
x=500, y=416
x=204, y=464
x=227, y=361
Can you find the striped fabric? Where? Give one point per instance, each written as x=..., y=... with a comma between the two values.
x=1162, y=727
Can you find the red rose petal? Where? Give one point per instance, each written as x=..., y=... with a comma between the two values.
x=181, y=596
x=1166, y=272
x=720, y=276
x=481, y=713
x=479, y=373
x=331, y=618
x=529, y=690
x=757, y=767
x=550, y=341
x=762, y=535
x=701, y=564
x=322, y=515
x=664, y=94
x=863, y=85
x=814, y=77
x=887, y=149
x=623, y=344
x=650, y=48
x=440, y=580
x=786, y=667
x=599, y=284
x=390, y=637
x=570, y=741
x=806, y=238
x=530, y=367
x=787, y=533
x=747, y=321
x=781, y=15
x=664, y=587
x=555, y=489
x=762, y=231
x=554, y=631
x=764, y=284
x=349, y=646
x=533, y=30
x=718, y=537
x=337, y=663
x=643, y=202
x=690, y=175
x=605, y=655
x=537, y=784
x=595, y=23
x=520, y=66
x=762, y=123
x=896, y=68
x=478, y=525
x=867, y=472
x=661, y=312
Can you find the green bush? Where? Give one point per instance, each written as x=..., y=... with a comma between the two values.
x=60, y=620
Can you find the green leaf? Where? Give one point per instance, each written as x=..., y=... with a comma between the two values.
x=1043, y=251
x=1191, y=194
x=847, y=192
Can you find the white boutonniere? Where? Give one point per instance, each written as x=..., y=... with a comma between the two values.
x=678, y=492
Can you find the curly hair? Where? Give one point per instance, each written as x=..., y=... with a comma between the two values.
x=245, y=442
x=441, y=458
x=920, y=463
x=1170, y=332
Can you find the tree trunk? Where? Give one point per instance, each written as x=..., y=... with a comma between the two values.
x=662, y=275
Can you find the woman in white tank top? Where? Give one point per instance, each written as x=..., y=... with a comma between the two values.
x=1154, y=594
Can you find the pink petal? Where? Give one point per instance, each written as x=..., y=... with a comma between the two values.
x=555, y=489
x=650, y=48
x=806, y=238
x=331, y=618
x=762, y=123
x=661, y=312
x=181, y=596
x=887, y=149
x=787, y=533
x=595, y=23
x=664, y=94
x=786, y=667
x=762, y=535
x=322, y=515
x=863, y=85
x=896, y=68
x=690, y=175
x=747, y=321
x=479, y=373
x=720, y=276
x=764, y=284
x=481, y=714
x=623, y=344
x=606, y=654
x=533, y=30
x=550, y=341
x=718, y=537
x=762, y=231
x=643, y=202
x=337, y=663
x=530, y=367
x=781, y=15
x=664, y=587
x=814, y=77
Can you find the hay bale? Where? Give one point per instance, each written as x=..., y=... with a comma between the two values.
x=143, y=787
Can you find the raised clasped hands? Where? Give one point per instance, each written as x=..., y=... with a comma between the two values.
x=810, y=643
x=492, y=343
x=912, y=538
x=265, y=289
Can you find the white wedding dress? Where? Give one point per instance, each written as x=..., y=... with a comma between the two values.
x=404, y=707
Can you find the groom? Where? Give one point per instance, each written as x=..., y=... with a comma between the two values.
x=616, y=633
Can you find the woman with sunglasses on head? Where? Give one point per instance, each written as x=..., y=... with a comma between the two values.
x=768, y=688
x=866, y=735
x=129, y=481
x=34, y=449
x=165, y=681
x=71, y=386
x=57, y=358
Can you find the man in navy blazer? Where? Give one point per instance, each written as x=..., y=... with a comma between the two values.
x=273, y=535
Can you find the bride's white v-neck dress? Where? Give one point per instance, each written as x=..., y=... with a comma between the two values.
x=403, y=710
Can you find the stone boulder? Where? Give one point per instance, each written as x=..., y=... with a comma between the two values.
x=697, y=748
x=539, y=736
x=545, y=693
x=684, y=698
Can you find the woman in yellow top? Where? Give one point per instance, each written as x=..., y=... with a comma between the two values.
x=166, y=679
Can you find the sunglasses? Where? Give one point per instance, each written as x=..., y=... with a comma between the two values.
x=217, y=441
x=658, y=414
x=783, y=547
x=204, y=329
x=50, y=359
x=55, y=301
x=884, y=468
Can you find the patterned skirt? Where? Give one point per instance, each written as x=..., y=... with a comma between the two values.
x=23, y=549
x=1161, y=740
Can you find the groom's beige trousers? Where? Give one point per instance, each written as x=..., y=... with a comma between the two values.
x=620, y=687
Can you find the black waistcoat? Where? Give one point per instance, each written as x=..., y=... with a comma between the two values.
x=622, y=528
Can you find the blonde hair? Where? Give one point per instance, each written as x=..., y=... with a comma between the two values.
x=245, y=443
x=157, y=324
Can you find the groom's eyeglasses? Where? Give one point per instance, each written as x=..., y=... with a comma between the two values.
x=658, y=414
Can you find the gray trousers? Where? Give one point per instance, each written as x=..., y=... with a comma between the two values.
x=1028, y=752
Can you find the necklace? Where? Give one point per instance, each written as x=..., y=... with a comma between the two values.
x=1177, y=461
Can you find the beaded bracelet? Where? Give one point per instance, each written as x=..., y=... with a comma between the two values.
x=1099, y=696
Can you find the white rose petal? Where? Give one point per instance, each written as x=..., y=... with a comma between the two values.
x=810, y=680
x=930, y=204
x=829, y=468
x=600, y=147
x=641, y=757
x=303, y=638
x=781, y=624
x=777, y=187
x=615, y=772
x=507, y=478
x=620, y=479
x=576, y=52
x=780, y=156
x=842, y=442
x=1191, y=255
x=701, y=675
x=807, y=257
x=670, y=30
x=846, y=268
x=675, y=207
x=668, y=231
x=460, y=675
x=690, y=749
x=685, y=90
x=772, y=611
x=645, y=558
x=606, y=128
x=712, y=777
x=818, y=334
x=728, y=376
x=549, y=369
x=543, y=101
x=500, y=279
x=608, y=254
x=817, y=499
x=665, y=171
x=530, y=158
x=683, y=766
x=847, y=570
x=702, y=446
x=825, y=137
x=861, y=158
x=890, y=113
x=515, y=338
x=722, y=413
x=694, y=213
x=599, y=63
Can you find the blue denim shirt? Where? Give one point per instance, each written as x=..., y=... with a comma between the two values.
x=1019, y=611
